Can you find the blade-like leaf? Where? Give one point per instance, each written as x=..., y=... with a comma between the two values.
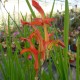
x=52, y=9
x=32, y=12
x=78, y=60
x=66, y=31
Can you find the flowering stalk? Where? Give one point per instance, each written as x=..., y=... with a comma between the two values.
x=44, y=44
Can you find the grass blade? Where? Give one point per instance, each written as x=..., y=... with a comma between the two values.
x=66, y=31
x=78, y=60
x=32, y=12
x=52, y=9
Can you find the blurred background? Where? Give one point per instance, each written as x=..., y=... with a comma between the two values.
x=21, y=6
x=15, y=7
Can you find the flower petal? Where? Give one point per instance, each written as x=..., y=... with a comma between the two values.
x=32, y=47
x=37, y=23
x=36, y=64
x=47, y=44
x=38, y=7
x=24, y=23
x=61, y=43
x=25, y=50
x=50, y=34
x=23, y=39
x=45, y=20
x=49, y=20
x=56, y=43
x=39, y=19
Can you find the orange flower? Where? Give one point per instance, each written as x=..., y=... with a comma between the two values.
x=56, y=43
x=44, y=19
x=43, y=43
x=33, y=50
x=38, y=22
x=36, y=34
x=59, y=42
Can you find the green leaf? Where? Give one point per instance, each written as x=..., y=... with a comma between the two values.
x=32, y=12
x=78, y=60
x=66, y=33
x=52, y=9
